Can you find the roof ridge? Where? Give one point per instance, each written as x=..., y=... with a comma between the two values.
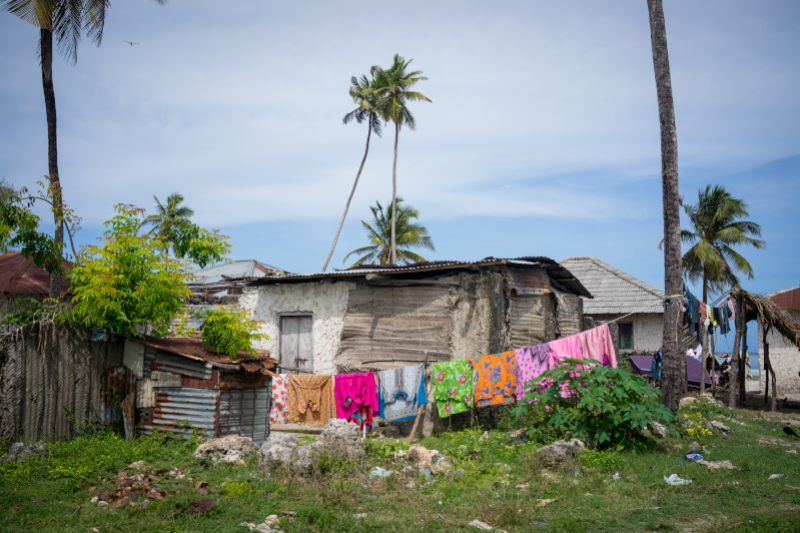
x=619, y=273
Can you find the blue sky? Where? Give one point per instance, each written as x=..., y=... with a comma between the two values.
x=542, y=138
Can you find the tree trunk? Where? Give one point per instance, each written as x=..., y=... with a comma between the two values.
x=704, y=348
x=393, y=252
x=713, y=366
x=743, y=366
x=673, y=374
x=768, y=363
x=352, y=192
x=734, y=370
x=765, y=330
x=46, y=50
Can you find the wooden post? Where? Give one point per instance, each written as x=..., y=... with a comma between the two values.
x=421, y=408
x=704, y=351
x=743, y=366
x=733, y=372
x=713, y=366
x=764, y=330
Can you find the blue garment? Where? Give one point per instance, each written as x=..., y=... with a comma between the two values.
x=721, y=317
x=655, y=368
x=693, y=311
x=423, y=399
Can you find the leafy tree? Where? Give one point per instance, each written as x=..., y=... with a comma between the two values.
x=395, y=93
x=673, y=373
x=229, y=329
x=364, y=93
x=128, y=283
x=409, y=235
x=169, y=218
x=67, y=20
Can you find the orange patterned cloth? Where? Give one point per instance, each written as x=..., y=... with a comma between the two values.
x=311, y=399
x=495, y=379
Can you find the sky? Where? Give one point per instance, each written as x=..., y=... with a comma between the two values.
x=542, y=137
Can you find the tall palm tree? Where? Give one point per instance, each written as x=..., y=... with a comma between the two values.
x=673, y=373
x=363, y=92
x=168, y=218
x=395, y=93
x=716, y=227
x=409, y=235
x=67, y=20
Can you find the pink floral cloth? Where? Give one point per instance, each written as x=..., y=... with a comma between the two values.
x=531, y=362
x=360, y=389
x=596, y=344
x=280, y=405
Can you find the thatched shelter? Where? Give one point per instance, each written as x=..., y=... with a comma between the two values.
x=770, y=316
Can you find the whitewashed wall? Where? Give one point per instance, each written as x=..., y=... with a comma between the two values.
x=648, y=329
x=326, y=302
x=785, y=359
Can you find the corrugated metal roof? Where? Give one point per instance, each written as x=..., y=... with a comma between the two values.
x=21, y=276
x=246, y=268
x=560, y=277
x=615, y=292
x=787, y=298
x=192, y=348
x=527, y=281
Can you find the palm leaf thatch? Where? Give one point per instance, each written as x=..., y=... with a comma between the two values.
x=770, y=313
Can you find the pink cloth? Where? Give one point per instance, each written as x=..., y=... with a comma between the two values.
x=531, y=362
x=596, y=344
x=360, y=389
x=562, y=348
x=732, y=308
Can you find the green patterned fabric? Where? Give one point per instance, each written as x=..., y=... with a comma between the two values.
x=452, y=387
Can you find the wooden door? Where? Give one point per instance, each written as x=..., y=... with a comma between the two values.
x=297, y=349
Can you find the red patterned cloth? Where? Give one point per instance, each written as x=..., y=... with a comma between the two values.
x=280, y=405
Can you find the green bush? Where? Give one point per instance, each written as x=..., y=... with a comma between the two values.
x=229, y=329
x=601, y=405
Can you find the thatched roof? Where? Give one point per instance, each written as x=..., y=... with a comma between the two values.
x=770, y=313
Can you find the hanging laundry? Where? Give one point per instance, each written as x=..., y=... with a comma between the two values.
x=495, y=379
x=655, y=368
x=732, y=308
x=597, y=344
x=401, y=392
x=693, y=312
x=567, y=347
x=354, y=391
x=362, y=418
x=280, y=405
x=703, y=312
x=712, y=316
x=311, y=399
x=452, y=382
x=721, y=316
x=531, y=362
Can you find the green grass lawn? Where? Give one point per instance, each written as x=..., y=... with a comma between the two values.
x=54, y=493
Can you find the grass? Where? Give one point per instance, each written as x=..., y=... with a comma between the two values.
x=53, y=493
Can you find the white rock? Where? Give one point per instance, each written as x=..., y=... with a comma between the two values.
x=227, y=449
x=561, y=451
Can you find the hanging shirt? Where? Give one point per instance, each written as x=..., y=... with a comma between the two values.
x=597, y=344
x=354, y=391
x=531, y=362
x=280, y=405
x=311, y=399
x=732, y=308
x=401, y=392
x=655, y=368
x=452, y=382
x=561, y=349
x=362, y=418
x=721, y=316
x=495, y=379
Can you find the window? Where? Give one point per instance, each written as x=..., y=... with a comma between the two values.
x=626, y=336
x=296, y=346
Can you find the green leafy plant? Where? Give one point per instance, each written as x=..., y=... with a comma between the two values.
x=384, y=448
x=602, y=405
x=27, y=310
x=228, y=330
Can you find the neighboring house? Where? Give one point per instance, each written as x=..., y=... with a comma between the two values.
x=783, y=355
x=617, y=295
x=226, y=279
x=21, y=278
x=375, y=318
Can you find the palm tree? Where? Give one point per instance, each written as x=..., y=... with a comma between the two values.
x=395, y=84
x=673, y=373
x=363, y=93
x=409, y=235
x=67, y=19
x=168, y=218
x=715, y=229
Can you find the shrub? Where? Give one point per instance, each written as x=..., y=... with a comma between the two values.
x=229, y=329
x=601, y=405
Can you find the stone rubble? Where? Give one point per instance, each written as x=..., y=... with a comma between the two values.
x=230, y=449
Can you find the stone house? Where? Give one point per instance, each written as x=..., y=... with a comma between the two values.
x=783, y=354
x=618, y=295
x=376, y=318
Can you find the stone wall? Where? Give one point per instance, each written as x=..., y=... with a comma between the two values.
x=648, y=329
x=479, y=318
x=785, y=359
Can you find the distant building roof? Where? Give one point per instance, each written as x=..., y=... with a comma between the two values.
x=614, y=291
x=21, y=276
x=216, y=280
x=558, y=277
x=787, y=298
x=193, y=348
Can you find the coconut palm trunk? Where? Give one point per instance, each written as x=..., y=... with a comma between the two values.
x=46, y=50
x=352, y=192
x=393, y=252
x=673, y=375
x=705, y=347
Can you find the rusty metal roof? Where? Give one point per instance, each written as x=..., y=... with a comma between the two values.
x=21, y=276
x=559, y=277
x=787, y=298
x=192, y=348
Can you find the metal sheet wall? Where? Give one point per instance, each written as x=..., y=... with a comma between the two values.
x=245, y=412
x=181, y=410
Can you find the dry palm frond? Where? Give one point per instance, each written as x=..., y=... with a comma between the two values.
x=770, y=313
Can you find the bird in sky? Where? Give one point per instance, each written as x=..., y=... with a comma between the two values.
x=130, y=43
x=789, y=431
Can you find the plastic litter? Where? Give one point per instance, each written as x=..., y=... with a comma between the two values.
x=674, y=480
x=775, y=476
x=427, y=473
x=540, y=523
x=616, y=476
x=380, y=472
x=694, y=456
